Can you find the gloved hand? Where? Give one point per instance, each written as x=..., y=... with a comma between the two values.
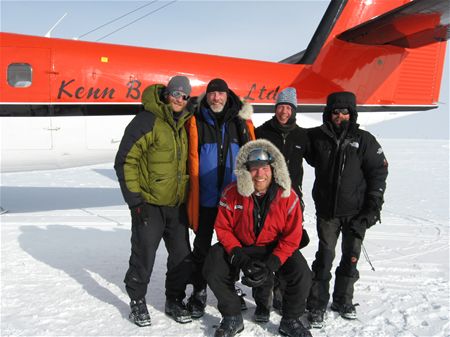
x=358, y=226
x=368, y=216
x=140, y=214
x=238, y=258
x=273, y=263
x=305, y=239
x=255, y=274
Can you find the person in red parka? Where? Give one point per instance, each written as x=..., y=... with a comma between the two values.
x=259, y=228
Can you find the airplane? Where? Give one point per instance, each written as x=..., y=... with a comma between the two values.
x=71, y=100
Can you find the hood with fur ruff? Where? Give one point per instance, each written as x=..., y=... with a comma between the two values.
x=280, y=172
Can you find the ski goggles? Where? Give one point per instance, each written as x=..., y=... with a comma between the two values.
x=343, y=111
x=258, y=157
x=179, y=94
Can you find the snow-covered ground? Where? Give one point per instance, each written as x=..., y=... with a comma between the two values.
x=65, y=248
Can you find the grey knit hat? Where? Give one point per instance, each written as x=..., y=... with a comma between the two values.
x=180, y=83
x=287, y=96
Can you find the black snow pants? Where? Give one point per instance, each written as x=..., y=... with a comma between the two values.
x=346, y=273
x=220, y=275
x=202, y=243
x=165, y=223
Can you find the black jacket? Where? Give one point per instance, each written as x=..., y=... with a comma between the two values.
x=294, y=146
x=347, y=169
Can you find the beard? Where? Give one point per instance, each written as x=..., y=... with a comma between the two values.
x=217, y=107
x=341, y=127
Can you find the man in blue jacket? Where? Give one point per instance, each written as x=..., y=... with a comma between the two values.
x=220, y=126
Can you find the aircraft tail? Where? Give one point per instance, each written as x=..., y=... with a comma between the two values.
x=390, y=52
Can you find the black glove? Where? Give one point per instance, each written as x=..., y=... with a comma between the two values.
x=368, y=216
x=238, y=258
x=273, y=263
x=305, y=239
x=358, y=226
x=255, y=274
x=139, y=214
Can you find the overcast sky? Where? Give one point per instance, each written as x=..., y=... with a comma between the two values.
x=264, y=30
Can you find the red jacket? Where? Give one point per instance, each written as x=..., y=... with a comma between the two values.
x=283, y=224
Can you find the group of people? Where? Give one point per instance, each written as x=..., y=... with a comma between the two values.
x=198, y=162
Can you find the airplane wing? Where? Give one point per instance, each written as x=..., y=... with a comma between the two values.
x=412, y=25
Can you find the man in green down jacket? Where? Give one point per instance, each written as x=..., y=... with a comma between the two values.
x=151, y=168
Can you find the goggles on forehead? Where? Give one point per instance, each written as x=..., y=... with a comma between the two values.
x=258, y=157
x=343, y=111
x=179, y=94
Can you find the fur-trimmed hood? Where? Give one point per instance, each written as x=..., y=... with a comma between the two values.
x=280, y=172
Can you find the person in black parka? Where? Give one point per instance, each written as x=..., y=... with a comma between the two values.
x=350, y=181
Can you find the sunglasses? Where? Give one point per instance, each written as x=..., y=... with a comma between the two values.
x=177, y=94
x=340, y=111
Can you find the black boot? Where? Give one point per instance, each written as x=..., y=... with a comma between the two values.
x=196, y=303
x=293, y=328
x=230, y=326
x=262, y=314
x=346, y=311
x=139, y=314
x=177, y=310
x=315, y=318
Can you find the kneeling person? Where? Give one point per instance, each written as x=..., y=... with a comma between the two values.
x=259, y=228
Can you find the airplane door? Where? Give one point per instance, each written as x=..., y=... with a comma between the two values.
x=25, y=122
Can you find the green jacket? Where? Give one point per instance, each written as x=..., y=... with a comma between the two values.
x=151, y=161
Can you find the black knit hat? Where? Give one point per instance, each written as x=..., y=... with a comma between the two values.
x=217, y=84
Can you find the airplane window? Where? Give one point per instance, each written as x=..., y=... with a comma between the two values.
x=19, y=75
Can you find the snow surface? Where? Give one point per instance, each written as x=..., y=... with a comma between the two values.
x=65, y=249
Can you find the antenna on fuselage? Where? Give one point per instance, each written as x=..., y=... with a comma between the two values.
x=54, y=26
x=114, y=20
x=139, y=18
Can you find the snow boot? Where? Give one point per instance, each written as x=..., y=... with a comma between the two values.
x=177, y=310
x=315, y=318
x=346, y=311
x=293, y=328
x=262, y=314
x=196, y=303
x=139, y=314
x=230, y=326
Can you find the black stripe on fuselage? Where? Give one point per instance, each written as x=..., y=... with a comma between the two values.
x=30, y=110
x=36, y=110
